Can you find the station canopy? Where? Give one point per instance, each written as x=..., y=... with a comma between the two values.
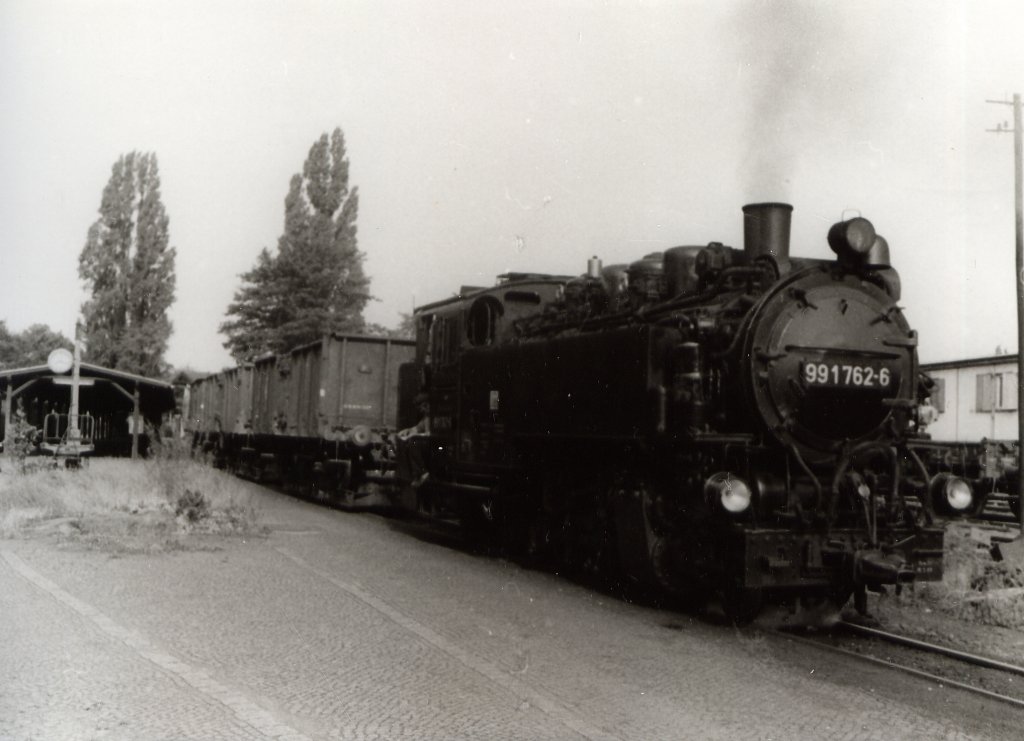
x=106, y=394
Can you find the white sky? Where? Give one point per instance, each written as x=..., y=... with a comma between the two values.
x=495, y=136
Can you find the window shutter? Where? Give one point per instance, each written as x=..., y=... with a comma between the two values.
x=985, y=388
x=1009, y=400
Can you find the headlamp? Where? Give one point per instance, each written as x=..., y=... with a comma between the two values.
x=729, y=492
x=951, y=494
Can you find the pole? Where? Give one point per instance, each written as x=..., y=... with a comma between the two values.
x=136, y=422
x=8, y=435
x=74, y=433
x=1017, y=197
x=1018, y=203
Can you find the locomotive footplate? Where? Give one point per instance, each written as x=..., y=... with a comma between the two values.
x=784, y=559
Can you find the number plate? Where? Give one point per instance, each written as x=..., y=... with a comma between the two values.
x=846, y=374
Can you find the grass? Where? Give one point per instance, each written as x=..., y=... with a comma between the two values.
x=973, y=584
x=120, y=505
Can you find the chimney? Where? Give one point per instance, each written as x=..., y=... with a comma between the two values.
x=766, y=229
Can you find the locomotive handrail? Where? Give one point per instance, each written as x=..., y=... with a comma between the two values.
x=710, y=292
x=793, y=499
x=737, y=338
x=723, y=437
x=644, y=313
x=848, y=456
x=926, y=500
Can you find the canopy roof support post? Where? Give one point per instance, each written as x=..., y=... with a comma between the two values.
x=135, y=422
x=8, y=437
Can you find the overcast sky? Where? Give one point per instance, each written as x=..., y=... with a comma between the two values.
x=494, y=136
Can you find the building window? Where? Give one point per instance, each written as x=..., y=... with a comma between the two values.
x=997, y=392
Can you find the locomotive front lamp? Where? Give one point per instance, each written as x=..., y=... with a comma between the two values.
x=951, y=494
x=729, y=492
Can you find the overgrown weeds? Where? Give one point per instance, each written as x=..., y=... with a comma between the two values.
x=969, y=574
x=136, y=506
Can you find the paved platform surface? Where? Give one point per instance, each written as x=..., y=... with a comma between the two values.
x=343, y=626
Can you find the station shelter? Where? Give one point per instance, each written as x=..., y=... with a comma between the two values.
x=117, y=411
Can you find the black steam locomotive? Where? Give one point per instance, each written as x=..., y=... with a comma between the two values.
x=706, y=418
x=740, y=420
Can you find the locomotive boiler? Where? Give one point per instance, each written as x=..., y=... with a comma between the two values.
x=706, y=418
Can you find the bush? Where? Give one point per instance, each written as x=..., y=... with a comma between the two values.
x=167, y=448
x=192, y=505
x=25, y=436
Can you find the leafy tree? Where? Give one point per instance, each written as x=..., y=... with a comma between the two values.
x=406, y=329
x=406, y=326
x=8, y=347
x=128, y=269
x=379, y=330
x=30, y=347
x=314, y=284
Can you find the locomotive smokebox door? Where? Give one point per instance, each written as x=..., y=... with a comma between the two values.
x=829, y=355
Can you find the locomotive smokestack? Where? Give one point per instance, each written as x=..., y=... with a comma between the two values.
x=766, y=229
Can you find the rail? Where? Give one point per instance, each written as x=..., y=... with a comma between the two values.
x=963, y=657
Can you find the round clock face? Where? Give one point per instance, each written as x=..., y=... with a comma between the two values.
x=60, y=360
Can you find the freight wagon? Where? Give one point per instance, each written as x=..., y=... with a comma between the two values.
x=319, y=419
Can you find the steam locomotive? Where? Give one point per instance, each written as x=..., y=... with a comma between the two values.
x=706, y=418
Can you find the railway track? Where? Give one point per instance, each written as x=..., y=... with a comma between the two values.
x=981, y=675
x=1000, y=508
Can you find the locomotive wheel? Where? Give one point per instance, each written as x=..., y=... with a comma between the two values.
x=534, y=552
x=741, y=604
x=840, y=594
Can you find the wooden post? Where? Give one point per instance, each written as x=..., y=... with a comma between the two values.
x=74, y=430
x=1018, y=198
x=1015, y=549
x=8, y=438
x=135, y=422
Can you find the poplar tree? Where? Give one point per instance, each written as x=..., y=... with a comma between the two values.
x=314, y=284
x=128, y=269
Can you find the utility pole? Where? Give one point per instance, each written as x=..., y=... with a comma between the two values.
x=1017, y=202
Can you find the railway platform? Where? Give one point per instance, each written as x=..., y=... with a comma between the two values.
x=351, y=626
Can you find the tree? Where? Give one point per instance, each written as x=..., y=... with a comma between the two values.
x=128, y=269
x=314, y=284
x=406, y=326
x=8, y=347
x=30, y=347
x=406, y=329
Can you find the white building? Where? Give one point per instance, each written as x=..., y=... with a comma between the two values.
x=975, y=399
